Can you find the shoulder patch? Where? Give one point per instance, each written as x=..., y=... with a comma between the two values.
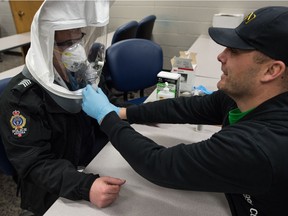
x=24, y=85
x=18, y=123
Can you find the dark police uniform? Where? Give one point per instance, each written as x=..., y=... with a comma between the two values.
x=46, y=144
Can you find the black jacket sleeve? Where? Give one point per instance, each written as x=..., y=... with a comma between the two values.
x=209, y=109
x=217, y=164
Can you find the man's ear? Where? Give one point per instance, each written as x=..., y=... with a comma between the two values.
x=274, y=70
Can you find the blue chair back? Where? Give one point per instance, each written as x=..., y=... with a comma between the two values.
x=134, y=64
x=145, y=27
x=5, y=165
x=125, y=31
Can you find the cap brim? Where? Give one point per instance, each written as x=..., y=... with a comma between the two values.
x=228, y=38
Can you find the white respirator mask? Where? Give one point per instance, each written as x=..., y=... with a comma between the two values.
x=80, y=71
x=74, y=58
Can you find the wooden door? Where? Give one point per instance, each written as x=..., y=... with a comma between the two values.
x=23, y=13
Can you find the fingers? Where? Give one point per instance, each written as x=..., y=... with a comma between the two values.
x=99, y=90
x=109, y=195
x=113, y=181
x=108, y=200
x=89, y=87
x=113, y=185
x=89, y=91
x=86, y=92
x=105, y=190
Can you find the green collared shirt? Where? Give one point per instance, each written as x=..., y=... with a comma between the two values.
x=235, y=115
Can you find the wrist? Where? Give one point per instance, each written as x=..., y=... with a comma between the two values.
x=122, y=113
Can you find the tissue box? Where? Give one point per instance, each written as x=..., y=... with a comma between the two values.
x=173, y=80
x=226, y=20
x=185, y=65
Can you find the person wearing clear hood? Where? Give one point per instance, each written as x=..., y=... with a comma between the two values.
x=45, y=133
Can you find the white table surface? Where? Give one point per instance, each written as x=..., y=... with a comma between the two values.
x=14, y=41
x=11, y=72
x=138, y=196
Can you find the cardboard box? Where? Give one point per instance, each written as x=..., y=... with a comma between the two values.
x=185, y=65
x=167, y=80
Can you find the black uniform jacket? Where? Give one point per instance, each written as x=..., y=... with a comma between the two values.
x=248, y=161
x=45, y=144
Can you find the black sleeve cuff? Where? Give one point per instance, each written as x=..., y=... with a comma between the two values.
x=85, y=189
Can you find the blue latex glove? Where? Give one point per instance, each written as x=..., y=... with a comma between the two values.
x=96, y=104
x=203, y=90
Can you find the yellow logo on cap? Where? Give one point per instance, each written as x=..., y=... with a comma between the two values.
x=250, y=17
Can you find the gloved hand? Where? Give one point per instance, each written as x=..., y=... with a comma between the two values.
x=96, y=104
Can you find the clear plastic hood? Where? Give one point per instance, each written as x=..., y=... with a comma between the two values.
x=68, y=42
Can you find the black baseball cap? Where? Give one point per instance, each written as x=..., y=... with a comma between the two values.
x=265, y=30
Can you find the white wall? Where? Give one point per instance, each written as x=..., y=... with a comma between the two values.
x=6, y=20
x=179, y=23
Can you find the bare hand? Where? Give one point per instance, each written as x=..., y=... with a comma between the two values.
x=105, y=190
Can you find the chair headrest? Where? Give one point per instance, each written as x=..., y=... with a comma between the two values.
x=125, y=31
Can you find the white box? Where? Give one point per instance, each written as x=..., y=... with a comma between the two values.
x=225, y=20
x=173, y=80
x=185, y=65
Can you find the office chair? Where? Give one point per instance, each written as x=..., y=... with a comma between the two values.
x=145, y=27
x=5, y=165
x=125, y=31
x=134, y=65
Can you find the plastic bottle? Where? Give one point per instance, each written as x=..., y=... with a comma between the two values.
x=93, y=73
